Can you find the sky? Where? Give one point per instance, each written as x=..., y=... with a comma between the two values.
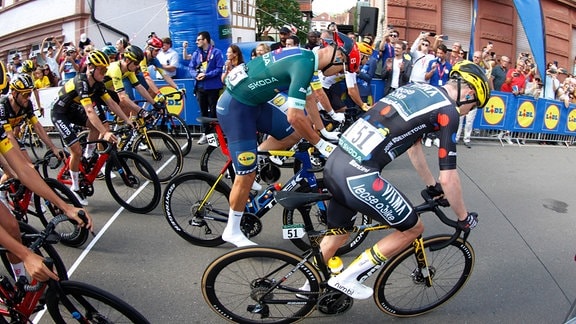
x=332, y=6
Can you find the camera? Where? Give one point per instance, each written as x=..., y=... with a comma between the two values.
x=432, y=34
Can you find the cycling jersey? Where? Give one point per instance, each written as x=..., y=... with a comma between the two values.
x=392, y=126
x=114, y=77
x=9, y=118
x=145, y=63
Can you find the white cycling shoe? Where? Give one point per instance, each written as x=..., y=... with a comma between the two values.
x=237, y=239
x=351, y=288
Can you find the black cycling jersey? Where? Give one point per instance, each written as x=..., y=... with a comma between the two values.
x=78, y=92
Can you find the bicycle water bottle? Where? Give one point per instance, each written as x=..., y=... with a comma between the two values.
x=335, y=265
x=268, y=194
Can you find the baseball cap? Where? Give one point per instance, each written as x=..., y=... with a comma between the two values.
x=83, y=37
x=285, y=30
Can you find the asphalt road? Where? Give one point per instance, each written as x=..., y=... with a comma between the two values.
x=524, y=244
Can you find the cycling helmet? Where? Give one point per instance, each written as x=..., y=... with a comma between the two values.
x=364, y=48
x=98, y=58
x=134, y=53
x=22, y=83
x=349, y=48
x=27, y=66
x=110, y=50
x=475, y=76
x=154, y=42
x=3, y=76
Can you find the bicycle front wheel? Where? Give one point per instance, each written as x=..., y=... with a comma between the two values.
x=94, y=304
x=259, y=285
x=176, y=127
x=132, y=182
x=162, y=152
x=193, y=212
x=401, y=290
x=70, y=234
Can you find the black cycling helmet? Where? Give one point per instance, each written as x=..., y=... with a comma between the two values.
x=134, y=53
x=3, y=76
x=475, y=76
x=22, y=83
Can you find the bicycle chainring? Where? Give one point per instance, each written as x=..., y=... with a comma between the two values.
x=86, y=188
x=334, y=302
x=250, y=225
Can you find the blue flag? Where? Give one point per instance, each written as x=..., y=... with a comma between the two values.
x=530, y=13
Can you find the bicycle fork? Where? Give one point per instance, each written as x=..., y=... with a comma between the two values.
x=423, y=273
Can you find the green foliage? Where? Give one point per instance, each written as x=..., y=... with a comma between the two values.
x=278, y=13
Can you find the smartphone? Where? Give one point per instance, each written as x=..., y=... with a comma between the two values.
x=556, y=63
x=390, y=27
x=445, y=37
x=489, y=43
x=432, y=34
x=515, y=88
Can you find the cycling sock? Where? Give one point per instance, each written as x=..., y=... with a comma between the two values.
x=233, y=225
x=18, y=269
x=363, y=264
x=89, y=150
x=74, y=176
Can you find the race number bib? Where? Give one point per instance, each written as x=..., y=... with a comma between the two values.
x=361, y=139
x=236, y=75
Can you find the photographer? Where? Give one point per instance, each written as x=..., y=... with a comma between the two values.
x=70, y=65
x=515, y=79
x=552, y=83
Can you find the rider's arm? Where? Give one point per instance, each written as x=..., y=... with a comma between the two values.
x=352, y=87
x=145, y=94
x=167, y=78
x=127, y=103
x=116, y=109
x=418, y=159
x=450, y=181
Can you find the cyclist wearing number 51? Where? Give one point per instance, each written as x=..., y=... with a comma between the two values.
x=243, y=110
x=393, y=126
x=9, y=230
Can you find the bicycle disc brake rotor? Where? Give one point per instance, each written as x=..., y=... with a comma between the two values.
x=418, y=276
x=250, y=225
x=334, y=302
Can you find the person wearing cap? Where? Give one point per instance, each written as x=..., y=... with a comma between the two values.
x=285, y=33
x=84, y=41
x=15, y=65
x=247, y=106
x=49, y=55
x=70, y=65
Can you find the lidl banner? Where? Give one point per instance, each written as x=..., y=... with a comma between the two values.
x=527, y=115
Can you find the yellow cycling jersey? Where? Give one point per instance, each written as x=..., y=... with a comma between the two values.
x=114, y=77
x=154, y=62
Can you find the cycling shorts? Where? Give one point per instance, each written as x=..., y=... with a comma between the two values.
x=241, y=124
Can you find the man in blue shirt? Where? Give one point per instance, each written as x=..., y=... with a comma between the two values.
x=438, y=70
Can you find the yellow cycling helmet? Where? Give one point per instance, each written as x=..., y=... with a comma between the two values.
x=22, y=83
x=364, y=48
x=27, y=66
x=3, y=76
x=475, y=76
x=98, y=58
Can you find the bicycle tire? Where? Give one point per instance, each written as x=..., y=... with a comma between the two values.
x=212, y=161
x=28, y=235
x=37, y=147
x=95, y=304
x=70, y=234
x=133, y=172
x=318, y=217
x=232, y=283
x=398, y=289
x=176, y=127
x=181, y=200
x=165, y=157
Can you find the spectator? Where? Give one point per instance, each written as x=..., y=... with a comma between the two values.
x=552, y=83
x=387, y=45
x=293, y=41
x=262, y=48
x=499, y=72
x=515, y=80
x=168, y=57
x=84, y=41
x=121, y=45
x=69, y=66
x=85, y=53
x=15, y=65
x=233, y=59
x=40, y=80
x=438, y=70
x=312, y=40
x=467, y=121
x=366, y=73
x=534, y=88
x=455, y=54
x=397, y=71
x=285, y=33
x=52, y=77
x=206, y=67
x=49, y=56
x=420, y=52
x=352, y=36
x=253, y=53
x=332, y=27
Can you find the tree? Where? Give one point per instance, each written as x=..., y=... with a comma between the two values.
x=278, y=13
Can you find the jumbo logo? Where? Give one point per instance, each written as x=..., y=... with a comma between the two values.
x=552, y=117
x=174, y=106
x=494, y=111
x=526, y=114
x=223, y=9
x=571, y=124
x=246, y=158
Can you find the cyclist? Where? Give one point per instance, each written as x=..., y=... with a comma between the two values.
x=243, y=110
x=21, y=257
x=111, y=52
x=395, y=125
x=75, y=105
x=15, y=108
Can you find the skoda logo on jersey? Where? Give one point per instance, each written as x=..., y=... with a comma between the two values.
x=246, y=158
x=261, y=83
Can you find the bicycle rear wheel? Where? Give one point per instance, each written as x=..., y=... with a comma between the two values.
x=95, y=304
x=162, y=152
x=318, y=216
x=213, y=160
x=259, y=285
x=400, y=289
x=70, y=234
x=136, y=186
x=182, y=199
x=176, y=127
